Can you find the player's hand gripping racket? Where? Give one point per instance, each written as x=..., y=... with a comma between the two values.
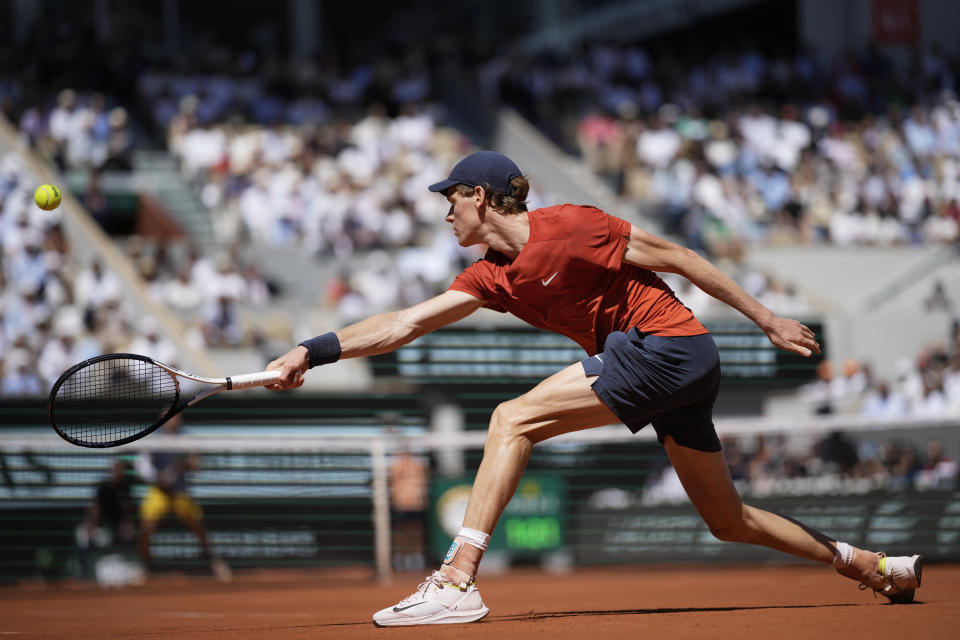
x=117, y=398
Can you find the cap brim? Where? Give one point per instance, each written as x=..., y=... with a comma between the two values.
x=443, y=185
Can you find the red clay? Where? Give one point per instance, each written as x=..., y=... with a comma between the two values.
x=599, y=604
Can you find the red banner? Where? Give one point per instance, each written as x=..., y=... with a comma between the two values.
x=896, y=21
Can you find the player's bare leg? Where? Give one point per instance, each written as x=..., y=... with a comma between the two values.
x=706, y=479
x=562, y=403
x=220, y=570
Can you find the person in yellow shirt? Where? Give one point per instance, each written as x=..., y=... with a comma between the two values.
x=166, y=473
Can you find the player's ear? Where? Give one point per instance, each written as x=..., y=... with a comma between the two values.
x=479, y=195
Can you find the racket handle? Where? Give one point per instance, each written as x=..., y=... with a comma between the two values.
x=248, y=380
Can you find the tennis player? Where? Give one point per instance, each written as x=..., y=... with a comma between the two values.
x=167, y=474
x=590, y=276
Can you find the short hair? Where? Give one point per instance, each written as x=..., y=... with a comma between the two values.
x=507, y=205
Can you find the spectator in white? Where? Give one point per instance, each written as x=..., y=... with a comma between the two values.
x=909, y=380
x=95, y=286
x=256, y=290
x=369, y=133
x=150, y=342
x=855, y=380
x=720, y=151
x=884, y=402
x=256, y=207
x=29, y=266
x=83, y=149
x=939, y=472
x=940, y=227
x=793, y=136
x=201, y=148
x=64, y=350
x=413, y=128
x=919, y=133
x=933, y=403
x=18, y=378
x=16, y=223
x=951, y=385
x=781, y=298
x=62, y=118
x=203, y=268
x=26, y=311
x=182, y=294
x=227, y=282
x=658, y=144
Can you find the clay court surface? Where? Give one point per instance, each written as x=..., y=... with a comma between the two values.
x=637, y=602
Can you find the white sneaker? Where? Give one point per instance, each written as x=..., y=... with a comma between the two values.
x=435, y=601
x=897, y=578
x=902, y=576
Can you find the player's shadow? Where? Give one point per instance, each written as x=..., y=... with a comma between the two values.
x=546, y=615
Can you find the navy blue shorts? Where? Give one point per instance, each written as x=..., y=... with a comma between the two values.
x=670, y=382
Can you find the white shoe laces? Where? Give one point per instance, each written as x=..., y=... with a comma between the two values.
x=433, y=579
x=877, y=581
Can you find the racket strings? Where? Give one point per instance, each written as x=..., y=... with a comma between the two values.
x=113, y=399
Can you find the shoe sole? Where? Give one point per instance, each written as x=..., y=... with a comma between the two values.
x=443, y=617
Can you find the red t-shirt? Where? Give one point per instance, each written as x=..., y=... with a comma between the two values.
x=570, y=278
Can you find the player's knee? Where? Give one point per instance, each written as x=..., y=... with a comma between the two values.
x=505, y=421
x=730, y=527
x=727, y=532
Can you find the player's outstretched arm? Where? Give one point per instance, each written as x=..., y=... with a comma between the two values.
x=381, y=333
x=656, y=254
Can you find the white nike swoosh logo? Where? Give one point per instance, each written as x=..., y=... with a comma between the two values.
x=547, y=281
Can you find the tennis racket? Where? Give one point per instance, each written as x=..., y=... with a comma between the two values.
x=117, y=398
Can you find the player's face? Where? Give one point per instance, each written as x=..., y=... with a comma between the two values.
x=464, y=216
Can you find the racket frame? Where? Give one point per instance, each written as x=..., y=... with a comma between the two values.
x=218, y=385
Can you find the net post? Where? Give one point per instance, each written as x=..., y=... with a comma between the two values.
x=448, y=421
x=381, y=509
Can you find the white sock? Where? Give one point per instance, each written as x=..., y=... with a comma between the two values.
x=479, y=539
x=844, y=557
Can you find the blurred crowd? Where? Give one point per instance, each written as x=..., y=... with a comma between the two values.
x=54, y=309
x=768, y=464
x=926, y=385
x=79, y=131
x=748, y=147
x=325, y=157
x=840, y=462
x=208, y=292
x=331, y=158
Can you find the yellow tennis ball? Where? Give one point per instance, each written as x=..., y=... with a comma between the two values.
x=47, y=197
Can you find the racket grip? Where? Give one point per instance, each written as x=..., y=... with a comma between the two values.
x=248, y=380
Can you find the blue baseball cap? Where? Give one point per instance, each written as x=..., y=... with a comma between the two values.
x=482, y=168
